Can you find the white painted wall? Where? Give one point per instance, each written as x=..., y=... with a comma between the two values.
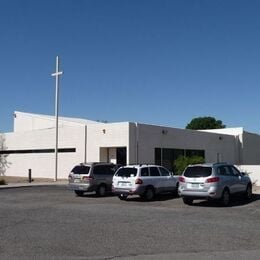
x=29, y=122
x=105, y=136
x=151, y=137
x=101, y=141
x=42, y=164
x=251, y=148
x=253, y=171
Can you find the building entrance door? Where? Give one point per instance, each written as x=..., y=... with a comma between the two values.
x=116, y=155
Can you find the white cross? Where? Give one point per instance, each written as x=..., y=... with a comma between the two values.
x=56, y=75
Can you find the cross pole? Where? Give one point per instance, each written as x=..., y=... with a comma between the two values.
x=57, y=74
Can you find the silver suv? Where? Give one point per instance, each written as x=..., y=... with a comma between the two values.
x=213, y=181
x=87, y=177
x=143, y=180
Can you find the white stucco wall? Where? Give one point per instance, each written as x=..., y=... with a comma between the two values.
x=251, y=149
x=29, y=122
x=150, y=137
x=42, y=164
x=98, y=142
x=105, y=136
x=253, y=172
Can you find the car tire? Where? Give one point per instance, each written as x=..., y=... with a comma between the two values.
x=122, y=197
x=248, y=193
x=187, y=201
x=176, y=191
x=102, y=191
x=149, y=194
x=79, y=193
x=225, y=199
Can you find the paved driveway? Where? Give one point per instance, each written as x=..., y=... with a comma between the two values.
x=51, y=223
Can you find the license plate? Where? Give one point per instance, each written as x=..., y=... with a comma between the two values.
x=193, y=186
x=76, y=180
x=124, y=184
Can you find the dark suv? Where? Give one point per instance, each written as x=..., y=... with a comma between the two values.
x=96, y=176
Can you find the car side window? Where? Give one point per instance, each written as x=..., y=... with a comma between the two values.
x=224, y=170
x=164, y=172
x=144, y=172
x=221, y=170
x=99, y=170
x=154, y=171
x=234, y=171
x=103, y=170
x=111, y=169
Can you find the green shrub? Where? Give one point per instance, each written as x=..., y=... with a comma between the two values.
x=183, y=161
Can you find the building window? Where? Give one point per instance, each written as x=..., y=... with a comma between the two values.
x=50, y=150
x=167, y=156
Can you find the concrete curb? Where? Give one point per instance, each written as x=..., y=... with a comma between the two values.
x=37, y=184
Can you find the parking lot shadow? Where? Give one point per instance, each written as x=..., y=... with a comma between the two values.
x=159, y=197
x=236, y=201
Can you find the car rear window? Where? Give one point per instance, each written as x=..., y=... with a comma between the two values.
x=80, y=169
x=126, y=172
x=197, y=171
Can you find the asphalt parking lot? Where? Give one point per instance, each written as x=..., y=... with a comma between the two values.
x=50, y=222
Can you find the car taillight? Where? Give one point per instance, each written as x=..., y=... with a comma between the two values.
x=181, y=179
x=87, y=178
x=138, y=181
x=70, y=177
x=213, y=179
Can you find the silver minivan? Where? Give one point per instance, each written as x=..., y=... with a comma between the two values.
x=95, y=176
x=213, y=181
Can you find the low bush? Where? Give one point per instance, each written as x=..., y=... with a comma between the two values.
x=183, y=161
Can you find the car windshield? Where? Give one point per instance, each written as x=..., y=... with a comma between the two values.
x=197, y=171
x=81, y=169
x=126, y=172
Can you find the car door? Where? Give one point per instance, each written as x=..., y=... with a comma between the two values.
x=99, y=173
x=156, y=178
x=240, y=183
x=227, y=178
x=168, y=181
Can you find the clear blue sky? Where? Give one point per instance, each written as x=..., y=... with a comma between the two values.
x=159, y=62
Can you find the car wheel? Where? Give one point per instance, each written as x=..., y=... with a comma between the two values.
x=122, y=197
x=225, y=199
x=102, y=191
x=187, y=201
x=248, y=193
x=79, y=193
x=176, y=191
x=149, y=194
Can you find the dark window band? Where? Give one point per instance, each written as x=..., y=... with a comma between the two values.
x=60, y=150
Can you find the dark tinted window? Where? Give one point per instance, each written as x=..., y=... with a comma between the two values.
x=81, y=169
x=154, y=171
x=126, y=172
x=145, y=171
x=234, y=171
x=224, y=170
x=164, y=172
x=104, y=170
x=197, y=171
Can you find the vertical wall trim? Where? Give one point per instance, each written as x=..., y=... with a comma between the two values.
x=137, y=143
x=86, y=143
